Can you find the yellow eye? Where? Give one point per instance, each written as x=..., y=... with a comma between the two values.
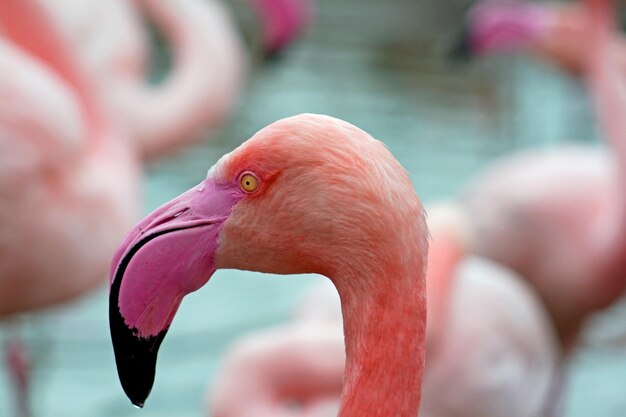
x=249, y=183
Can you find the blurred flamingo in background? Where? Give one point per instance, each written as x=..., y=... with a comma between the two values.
x=292, y=370
x=491, y=350
x=559, y=216
x=307, y=194
x=68, y=178
x=198, y=93
x=555, y=32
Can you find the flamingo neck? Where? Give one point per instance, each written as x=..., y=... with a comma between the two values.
x=444, y=256
x=385, y=326
x=199, y=90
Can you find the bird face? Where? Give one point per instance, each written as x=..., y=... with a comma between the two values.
x=167, y=255
x=303, y=195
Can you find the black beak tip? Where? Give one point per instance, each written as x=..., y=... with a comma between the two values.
x=135, y=356
x=136, y=382
x=136, y=359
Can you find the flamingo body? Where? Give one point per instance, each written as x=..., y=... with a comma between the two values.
x=63, y=205
x=498, y=355
x=555, y=204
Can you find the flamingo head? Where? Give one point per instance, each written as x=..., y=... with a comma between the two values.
x=307, y=194
x=502, y=26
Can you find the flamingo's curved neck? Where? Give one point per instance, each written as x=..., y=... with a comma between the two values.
x=384, y=324
x=200, y=88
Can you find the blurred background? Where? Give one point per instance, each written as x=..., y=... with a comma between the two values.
x=385, y=67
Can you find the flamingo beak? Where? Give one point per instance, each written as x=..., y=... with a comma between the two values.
x=168, y=255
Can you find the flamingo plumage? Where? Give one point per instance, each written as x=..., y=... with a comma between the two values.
x=307, y=194
x=68, y=179
x=491, y=350
x=198, y=93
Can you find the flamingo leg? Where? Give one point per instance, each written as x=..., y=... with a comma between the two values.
x=18, y=364
x=554, y=400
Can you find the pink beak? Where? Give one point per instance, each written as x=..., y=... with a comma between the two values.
x=168, y=255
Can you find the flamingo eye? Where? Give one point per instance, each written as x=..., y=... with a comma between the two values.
x=249, y=183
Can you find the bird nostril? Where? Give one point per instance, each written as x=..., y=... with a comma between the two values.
x=181, y=212
x=158, y=222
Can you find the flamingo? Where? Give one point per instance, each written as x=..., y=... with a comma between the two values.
x=68, y=180
x=555, y=32
x=557, y=216
x=307, y=194
x=199, y=92
x=491, y=350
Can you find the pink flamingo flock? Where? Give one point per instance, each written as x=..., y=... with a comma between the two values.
x=237, y=228
x=512, y=267
x=556, y=217
x=66, y=158
x=76, y=114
